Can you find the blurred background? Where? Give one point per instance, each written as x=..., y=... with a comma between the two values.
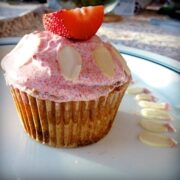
x=151, y=25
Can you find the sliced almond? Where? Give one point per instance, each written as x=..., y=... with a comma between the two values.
x=157, y=126
x=155, y=113
x=104, y=60
x=27, y=49
x=121, y=60
x=144, y=96
x=155, y=105
x=156, y=140
x=136, y=90
x=70, y=62
x=22, y=53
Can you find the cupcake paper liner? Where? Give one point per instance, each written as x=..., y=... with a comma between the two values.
x=67, y=124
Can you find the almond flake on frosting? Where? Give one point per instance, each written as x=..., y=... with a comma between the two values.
x=103, y=60
x=121, y=60
x=23, y=52
x=70, y=62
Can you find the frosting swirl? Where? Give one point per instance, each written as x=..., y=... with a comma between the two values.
x=36, y=66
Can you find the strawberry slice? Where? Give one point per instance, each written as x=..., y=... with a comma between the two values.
x=79, y=24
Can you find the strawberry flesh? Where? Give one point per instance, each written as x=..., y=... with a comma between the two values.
x=79, y=24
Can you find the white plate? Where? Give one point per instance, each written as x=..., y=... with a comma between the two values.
x=118, y=155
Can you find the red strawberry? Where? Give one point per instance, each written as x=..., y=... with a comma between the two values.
x=80, y=23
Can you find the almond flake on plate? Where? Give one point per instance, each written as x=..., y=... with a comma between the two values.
x=154, y=105
x=156, y=140
x=145, y=96
x=137, y=90
x=155, y=113
x=157, y=126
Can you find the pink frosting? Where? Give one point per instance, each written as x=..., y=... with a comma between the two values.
x=32, y=66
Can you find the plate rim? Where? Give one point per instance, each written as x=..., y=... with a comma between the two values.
x=171, y=64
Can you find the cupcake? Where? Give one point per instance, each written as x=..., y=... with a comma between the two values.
x=66, y=83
